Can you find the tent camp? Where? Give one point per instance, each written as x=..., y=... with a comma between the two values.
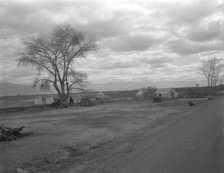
x=166, y=93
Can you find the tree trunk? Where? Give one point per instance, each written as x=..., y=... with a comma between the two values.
x=67, y=88
x=211, y=81
x=57, y=89
x=63, y=94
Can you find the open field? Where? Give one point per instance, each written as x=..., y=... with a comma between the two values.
x=61, y=135
x=189, y=92
x=16, y=101
x=28, y=100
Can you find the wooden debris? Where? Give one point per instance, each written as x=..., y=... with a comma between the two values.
x=10, y=134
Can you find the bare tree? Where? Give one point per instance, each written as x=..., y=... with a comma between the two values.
x=148, y=92
x=213, y=71
x=54, y=57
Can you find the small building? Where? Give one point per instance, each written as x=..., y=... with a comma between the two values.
x=76, y=98
x=43, y=99
x=38, y=100
x=49, y=99
x=166, y=93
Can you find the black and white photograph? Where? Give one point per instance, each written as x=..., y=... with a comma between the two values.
x=111, y=86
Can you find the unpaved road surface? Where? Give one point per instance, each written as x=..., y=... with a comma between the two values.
x=191, y=143
x=191, y=146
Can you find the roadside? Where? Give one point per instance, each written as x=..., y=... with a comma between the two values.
x=221, y=147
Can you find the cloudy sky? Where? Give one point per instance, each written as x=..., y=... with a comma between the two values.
x=141, y=42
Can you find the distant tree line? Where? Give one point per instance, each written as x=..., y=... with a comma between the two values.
x=197, y=92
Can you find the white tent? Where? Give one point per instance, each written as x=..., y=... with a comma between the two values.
x=101, y=96
x=140, y=95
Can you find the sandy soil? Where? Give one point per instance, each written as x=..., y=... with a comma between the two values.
x=77, y=139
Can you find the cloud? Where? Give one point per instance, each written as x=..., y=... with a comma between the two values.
x=101, y=29
x=118, y=65
x=23, y=18
x=158, y=60
x=185, y=47
x=8, y=47
x=213, y=31
x=131, y=43
x=189, y=12
x=138, y=40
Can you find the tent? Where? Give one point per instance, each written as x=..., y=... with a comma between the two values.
x=101, y=96
x=140, y=95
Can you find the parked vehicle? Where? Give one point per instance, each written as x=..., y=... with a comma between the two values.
x=157, y=98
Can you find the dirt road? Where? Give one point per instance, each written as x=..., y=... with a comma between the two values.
x=190, y=144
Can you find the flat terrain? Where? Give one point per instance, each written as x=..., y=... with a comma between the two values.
x=16, y=101
x=120, y=137
x=191, y=146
